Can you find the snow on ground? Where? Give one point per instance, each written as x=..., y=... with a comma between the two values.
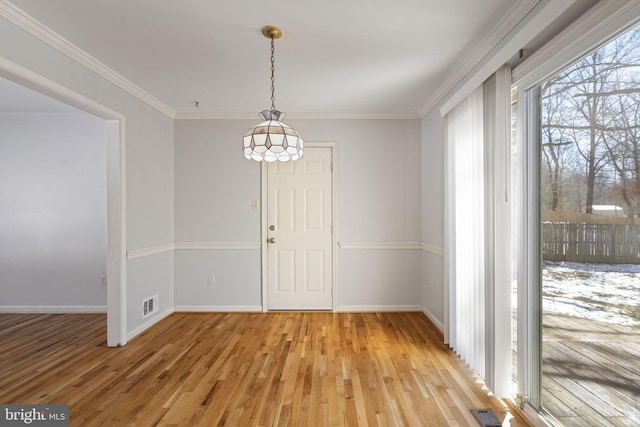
x=606, y=293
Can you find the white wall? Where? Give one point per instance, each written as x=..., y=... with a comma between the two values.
x=52, y=211
x=433, y=188
x=378, y=201
x=149, y=162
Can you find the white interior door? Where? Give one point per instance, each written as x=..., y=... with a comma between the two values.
x=299, y=235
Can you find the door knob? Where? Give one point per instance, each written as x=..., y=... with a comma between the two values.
x=271, y=240
x=272, y=227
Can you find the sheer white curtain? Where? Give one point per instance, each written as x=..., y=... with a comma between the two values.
x=478, y=240
x=465, y=136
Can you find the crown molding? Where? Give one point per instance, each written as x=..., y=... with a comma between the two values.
x=545, y=12
x=468, y=61
x=216, y=115
x=297, y=116
x=35, y=28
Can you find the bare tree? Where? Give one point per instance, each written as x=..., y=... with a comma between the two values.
x=588, y=79
x=623, y=145
x=556, y=145
x=594, y=104
x=621, y=120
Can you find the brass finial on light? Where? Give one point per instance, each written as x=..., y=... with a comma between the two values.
x=272, y=32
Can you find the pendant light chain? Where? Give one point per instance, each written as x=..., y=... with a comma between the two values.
x=273, y=79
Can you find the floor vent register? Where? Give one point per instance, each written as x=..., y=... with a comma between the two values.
x=486, y=417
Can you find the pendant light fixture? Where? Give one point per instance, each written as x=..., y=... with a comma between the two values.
x=271, y=139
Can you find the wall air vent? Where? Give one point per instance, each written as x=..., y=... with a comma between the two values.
x=149, y=306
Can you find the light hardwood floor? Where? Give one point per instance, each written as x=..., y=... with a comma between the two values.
x=249, y=369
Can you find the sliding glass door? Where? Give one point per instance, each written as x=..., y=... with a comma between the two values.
x=580, y=284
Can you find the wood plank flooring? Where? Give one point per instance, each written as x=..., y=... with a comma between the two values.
x=591, y=372
x=244, y=369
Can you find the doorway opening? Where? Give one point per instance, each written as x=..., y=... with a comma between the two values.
x=115, y=189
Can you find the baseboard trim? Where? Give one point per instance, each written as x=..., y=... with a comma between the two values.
x=437, y=323
x=146, y=325
x=56, y=309
x=218, y=308
x=376, y=308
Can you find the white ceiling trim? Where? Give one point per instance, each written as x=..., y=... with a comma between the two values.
x=300, y=116
x=27, y=23
x=545, y=14
x=28, y=78
x=467, y=62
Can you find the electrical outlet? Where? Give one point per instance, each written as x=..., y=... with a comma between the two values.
x=211, y=280
x=103, y=281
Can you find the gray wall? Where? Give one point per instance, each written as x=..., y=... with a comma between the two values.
x=433, y=206
x=52, y=210
x=381, y=190
x=378, y=201
x=149, y=163
x=214, y=188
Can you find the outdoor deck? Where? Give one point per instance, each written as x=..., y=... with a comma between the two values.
x=591, y=372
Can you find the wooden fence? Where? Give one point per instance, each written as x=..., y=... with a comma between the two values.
x=595, y=243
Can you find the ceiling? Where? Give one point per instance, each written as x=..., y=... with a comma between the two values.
x=335, y=56
x=358, y=56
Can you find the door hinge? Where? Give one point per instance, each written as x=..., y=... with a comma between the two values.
x=331, y=166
